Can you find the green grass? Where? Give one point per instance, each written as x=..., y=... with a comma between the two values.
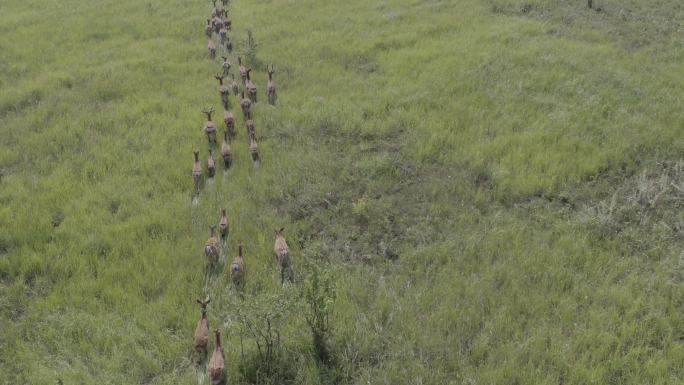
x=495, y=187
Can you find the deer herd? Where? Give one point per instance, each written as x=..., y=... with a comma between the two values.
x=217, y=31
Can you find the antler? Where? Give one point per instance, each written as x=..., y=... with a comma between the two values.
x=208, y=113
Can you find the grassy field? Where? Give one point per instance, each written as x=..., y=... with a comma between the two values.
x=474, y=192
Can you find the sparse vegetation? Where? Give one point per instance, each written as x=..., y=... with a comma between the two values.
x=493, y=189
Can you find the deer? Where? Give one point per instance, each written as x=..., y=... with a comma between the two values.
x=211, y=165
x=223, y=90
x=202, y=330
x=229, y=120
x=223, y=32
x=254, y=150
x=234, y=85
x=242, y=69
x=226, y=66
x=217, y=23
x=208, y=29
x=246, y=105
x=282, y=254
x=226, y=152
x=237, y=268
x=215, y=10
x=211, y=248
x=197, y=172
x=211, y=47
x=251, y=87
x=209, y=127
x=217, y=365
x=271, y=88
x=224, y=227
x=229, y=44
x=251, y=129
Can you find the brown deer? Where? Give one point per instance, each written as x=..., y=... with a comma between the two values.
x=229, y=120
x=282, y=254
x=209, y=127
x=226, y=152
x=223, y=32
x=208, y=29
x=254, y=150
x=242, y=69
x=229, y=44
x=211, y=165
x=251, y=129
x=271, y=88
x=202, y=330
x=211, y=47
x=237, y=268
x=217, y=23
x=224, y=91
x=226, y=66
x=217, y=365
x=224, y=227
x=234, y=85
x=211, y=248
x=197, y=172
x=251, y=88
x=246, y=105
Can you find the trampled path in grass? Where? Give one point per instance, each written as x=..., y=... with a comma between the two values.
x=494, y=186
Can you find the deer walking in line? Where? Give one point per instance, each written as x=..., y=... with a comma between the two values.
x=217, y=365
x=251, y=87
x=226, y=152
x=202, y=331
x=224, y=227
x=226, y=66
x=197, y=172
x=282, y=254
x=211, y=47
x=210, y=127
x=254, y=150
x=242, y=69
x=234, y=85
x=271, y=88
x=211, y=165
x=246, y=106
x=237, y=269
x=224, y=91
x=211, y=249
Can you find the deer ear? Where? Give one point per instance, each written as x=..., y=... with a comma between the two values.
x=199, y=302
x=282, y=229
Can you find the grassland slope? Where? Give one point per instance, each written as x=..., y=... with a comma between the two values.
x=494, y=187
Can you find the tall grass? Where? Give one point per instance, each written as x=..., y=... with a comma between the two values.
x=469, y=176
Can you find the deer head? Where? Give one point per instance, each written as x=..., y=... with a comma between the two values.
x=204, y=305
x=208, y=113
